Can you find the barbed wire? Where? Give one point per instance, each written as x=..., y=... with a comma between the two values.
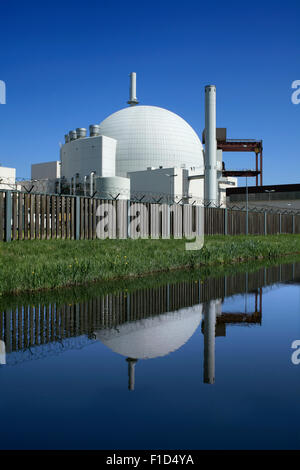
x=42, y=186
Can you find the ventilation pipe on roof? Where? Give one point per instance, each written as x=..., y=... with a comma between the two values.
x=94, y=130
x=72, y=135
x=80, y=132
x=132, y=91
x=210, y=175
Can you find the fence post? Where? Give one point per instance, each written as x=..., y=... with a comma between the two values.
x=293, y=223
x=128, y=218
x=8, y=215
x=226, y=221
x=280, y=222
x=265, y=214
x=77, y=218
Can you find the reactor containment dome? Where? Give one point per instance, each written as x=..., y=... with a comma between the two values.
x=149, y=136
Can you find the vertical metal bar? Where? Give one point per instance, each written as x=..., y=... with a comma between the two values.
x=128, y=218
x=77, y=218
x=280, y=223
x=225, y=221
x=256, y=167
x=247, y=206
x=293, y=223
x=8, y=214
x=265, y=217
x=14, y=215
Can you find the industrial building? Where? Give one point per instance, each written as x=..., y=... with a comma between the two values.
x=142, y=152
x=282, y=197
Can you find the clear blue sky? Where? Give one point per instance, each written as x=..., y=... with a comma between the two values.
x=66, y=65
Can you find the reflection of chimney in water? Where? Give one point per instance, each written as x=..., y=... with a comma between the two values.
x=2, y=353
x=131, y=375
x=209, y=341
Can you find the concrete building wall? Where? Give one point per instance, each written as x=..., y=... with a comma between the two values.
x=173, y=184
x=88, y=154
x=196, y=185
x=224, y=183
x=47, y=170
x=7, y=178
x=156, y=182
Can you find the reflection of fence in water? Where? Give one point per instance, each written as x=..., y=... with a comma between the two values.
x=26, y=326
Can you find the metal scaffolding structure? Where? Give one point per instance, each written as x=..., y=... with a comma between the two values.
x=244, y=145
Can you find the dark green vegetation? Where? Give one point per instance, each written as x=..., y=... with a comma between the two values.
x=47, y=264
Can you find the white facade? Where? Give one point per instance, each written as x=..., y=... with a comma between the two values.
x=168, y=184
x=7, y=178
x=176, y=184
x=47, y=170
x=151, y=136
x=223, y=184
x=86, y=155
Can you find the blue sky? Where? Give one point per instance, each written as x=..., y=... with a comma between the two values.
x=66, y=65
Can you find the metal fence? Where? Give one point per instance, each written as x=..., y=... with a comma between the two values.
x=26, y=216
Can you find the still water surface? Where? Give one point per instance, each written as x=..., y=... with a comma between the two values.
x=188, y=365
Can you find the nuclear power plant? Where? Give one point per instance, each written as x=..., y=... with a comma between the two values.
x=147, y=153
x=140, y=152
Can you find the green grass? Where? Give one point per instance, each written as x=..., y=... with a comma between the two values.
x=48, y=264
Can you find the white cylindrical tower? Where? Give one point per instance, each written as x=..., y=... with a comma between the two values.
x=113, y=187
x=210, y=175
x=132, y=92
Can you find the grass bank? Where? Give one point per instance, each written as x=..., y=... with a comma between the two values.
x=48, y=264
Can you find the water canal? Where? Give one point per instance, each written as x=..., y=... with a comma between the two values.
x=191, y=364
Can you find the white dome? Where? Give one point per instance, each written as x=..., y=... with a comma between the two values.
x=152, y=136
x=154, y=336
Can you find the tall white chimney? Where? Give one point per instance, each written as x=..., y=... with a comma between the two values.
x=132, y=92
x=210, y=175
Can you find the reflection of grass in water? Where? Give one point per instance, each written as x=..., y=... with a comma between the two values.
x=48, y=264
x=77, y=293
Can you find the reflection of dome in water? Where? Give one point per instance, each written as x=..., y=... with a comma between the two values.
x=151, y=136
x=153, y=337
